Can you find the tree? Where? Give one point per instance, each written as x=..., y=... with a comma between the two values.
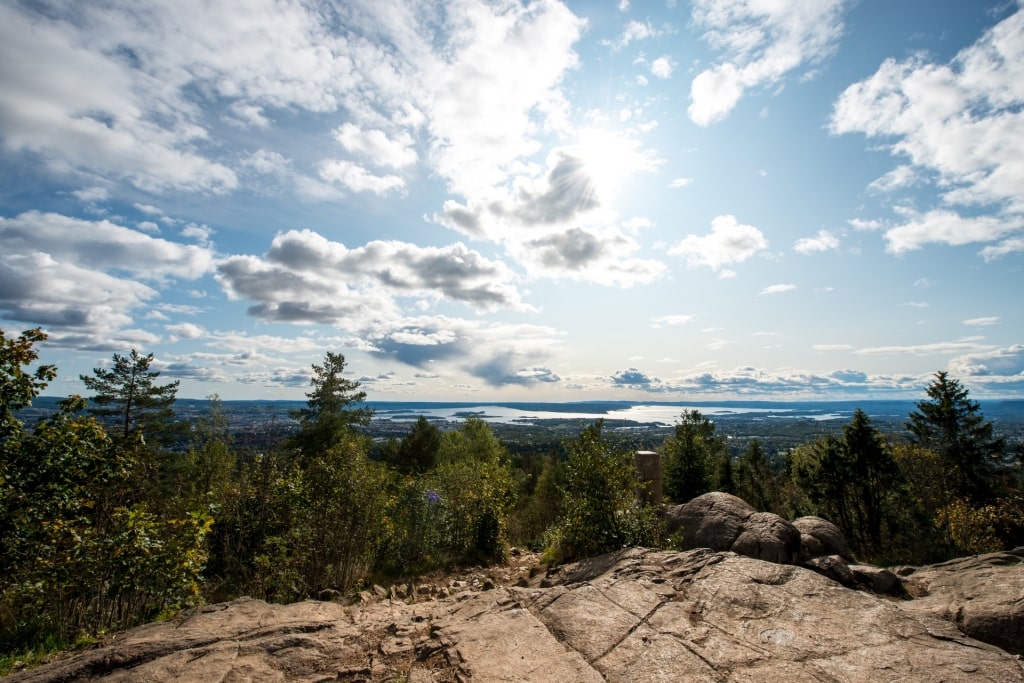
x=690, y=456
x=851, y=481
x=18, y=386
x=417, y=452
x=952, y=425
x=80, y=553
x=329, y=413
x=600, y=485
x=874, y=474
x=754, y=477
x=822, y=470
x=128, y=392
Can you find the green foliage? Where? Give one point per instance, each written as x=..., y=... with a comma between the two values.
x=540, y=503
x=18, y=386
x=128, y=392
x=78, y=558
x=598, y=511
x=417, y=452
x=754, y=477
x=335, y=525
x=329, y=413
x=456, y=512
x=82, y=554
x=690, y=456
x=951, y=425
x=851, y=481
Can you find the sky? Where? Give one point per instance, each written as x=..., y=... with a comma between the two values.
x=519, y=200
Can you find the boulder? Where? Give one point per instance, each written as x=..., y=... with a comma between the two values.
x=983, y=595
x=820, y=538
x=721, y=521
x=637, y=615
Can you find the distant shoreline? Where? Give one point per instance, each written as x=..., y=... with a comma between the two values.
x=662, y=412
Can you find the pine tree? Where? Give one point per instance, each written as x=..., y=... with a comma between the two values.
x=329, y=415
x=874, y=474
x=128, y=392
x=951, y=425
x=689, y=456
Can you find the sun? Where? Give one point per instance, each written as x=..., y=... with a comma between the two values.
x=610, y=158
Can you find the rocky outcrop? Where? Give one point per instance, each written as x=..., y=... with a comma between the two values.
x=983, y=595
x=721, y=521
x=821, y=538
x=639, y=615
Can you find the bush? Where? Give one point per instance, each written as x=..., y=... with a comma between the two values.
x=599, y=504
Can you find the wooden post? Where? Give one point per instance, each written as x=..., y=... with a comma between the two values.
x=648, y=464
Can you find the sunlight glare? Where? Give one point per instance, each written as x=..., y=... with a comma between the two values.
x=610, y=158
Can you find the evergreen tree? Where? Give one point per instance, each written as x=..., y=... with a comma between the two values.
x=689, y=456
x=951, y=425
x=417, y=452
x=329, y=414
x=725, y=478
x=128, y=392
x=874, y=474
x=755, y=480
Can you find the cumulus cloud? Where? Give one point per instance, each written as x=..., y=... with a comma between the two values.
x=955, y=124
x=352, y=176
x=631, y=377
x=823, y=241
x=84, y=279
x=941, y=226
x=305, y=277
x=662, y=67
x=728, y=242
x=484, y=351
x=761, y=43
x=1006, y=363
x=376, y=146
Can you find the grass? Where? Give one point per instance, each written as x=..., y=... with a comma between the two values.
x=10, y=662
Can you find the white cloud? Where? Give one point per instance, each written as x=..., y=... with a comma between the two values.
x=632, y=32
x=662, y=67
x=83, y=279
x=306, y=278
x=1006, y=363
x=761, y=43
x=948, y=227
x=670, y=320
x=823, y=241
x=1009, y=246
x=932, y=349
x=777, y=289
x=186, y=330
x=680, y=182
x=92, y=194
x=376, y=146
x=354, y=177
x=728, y=242
x=902, y=176
x=983, y=322
x=956, y=124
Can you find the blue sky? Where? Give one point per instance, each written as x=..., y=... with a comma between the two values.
x=716, y=199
